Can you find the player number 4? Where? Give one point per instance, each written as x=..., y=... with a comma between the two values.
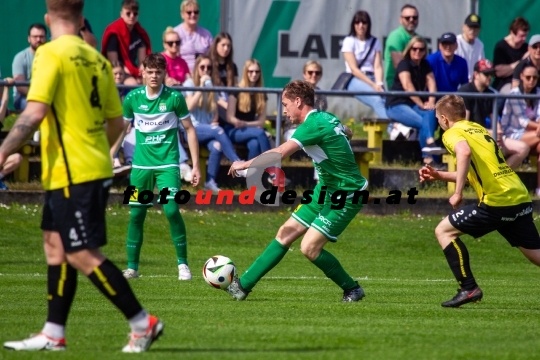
x=73, y=234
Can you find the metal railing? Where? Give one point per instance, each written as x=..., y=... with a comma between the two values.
x=341, y=93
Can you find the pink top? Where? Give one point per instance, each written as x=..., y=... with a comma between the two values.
x=197, y=43
x=177, y=68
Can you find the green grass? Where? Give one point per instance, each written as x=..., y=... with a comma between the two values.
x=294, y=312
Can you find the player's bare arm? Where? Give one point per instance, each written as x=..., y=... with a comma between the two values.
x=23, y=129
x=286, y=149
x=463, y=161
x=193, y=144
x=116, y=145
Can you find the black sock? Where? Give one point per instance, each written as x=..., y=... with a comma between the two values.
x=61, y=287
x=110, y=281
x=458, y=258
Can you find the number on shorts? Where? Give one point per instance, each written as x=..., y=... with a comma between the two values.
x=500, y=158
x=73, y=234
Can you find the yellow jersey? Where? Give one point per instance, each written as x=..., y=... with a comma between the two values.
x=495, y=183
x=78, y=84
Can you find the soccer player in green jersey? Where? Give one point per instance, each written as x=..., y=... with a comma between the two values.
x=157, y=111
x=504, y=202
x=324, y=139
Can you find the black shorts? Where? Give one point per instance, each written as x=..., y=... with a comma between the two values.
x=78, y=214
x=514, y=223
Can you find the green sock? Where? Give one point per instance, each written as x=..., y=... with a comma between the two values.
x=333, y=270
x=270, y=257
x=135, y=236
x=178, y=231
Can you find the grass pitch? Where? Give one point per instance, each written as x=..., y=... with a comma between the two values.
x=293, y=313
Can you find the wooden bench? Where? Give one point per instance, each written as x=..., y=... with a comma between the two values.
x=374, y=129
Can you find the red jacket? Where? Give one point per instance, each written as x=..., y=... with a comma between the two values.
x=120, y=29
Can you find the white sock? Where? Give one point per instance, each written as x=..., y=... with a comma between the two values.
x=139, y=323
x=53, y=330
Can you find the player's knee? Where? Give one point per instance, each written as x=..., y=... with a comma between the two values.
x=16, y=159
x=310, y=251
x=171, y=210
x=286, y=235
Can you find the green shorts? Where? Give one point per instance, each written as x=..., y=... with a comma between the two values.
x=147, y=179
x=329, y=222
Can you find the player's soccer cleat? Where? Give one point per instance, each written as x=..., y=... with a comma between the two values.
x=354, y=294
x=183, y=272
x=3, y=185
x=186, y=172
x=141, y=343
x=37, y=342
x=463, y=297
x=211, y=185
x=130, y=274
x=236, y=290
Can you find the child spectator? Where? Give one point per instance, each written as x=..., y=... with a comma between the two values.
x=177, y=68
x=246, y=112
x=196, y=40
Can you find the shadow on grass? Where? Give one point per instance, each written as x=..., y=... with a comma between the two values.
x=240, y=350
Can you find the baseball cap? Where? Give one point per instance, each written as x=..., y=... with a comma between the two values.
x=535, y=39
x=472, y=20
x=448, y=38
x=484, y=66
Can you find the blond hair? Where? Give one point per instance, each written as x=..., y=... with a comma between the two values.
x=169, y=30
x=244, y=99
x=207, y=97
x=415, y=39
x=312, y=62
x=186, y=3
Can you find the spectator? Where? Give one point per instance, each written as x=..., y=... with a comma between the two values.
x=204, y=116
x=480, y=110
x=362, y=53
x=470, y=47
x=520, y=116
x=127, y=42
x=177, y=68
x=532, y=59
x=246, y=112
x=397, y=41
x=195, y=39
x=14, y=160
x=414, y=74
x=87, y=34
x=509, y=52
x=312, y=73
x=450, y=70
x=127, y=144
x=22, y=63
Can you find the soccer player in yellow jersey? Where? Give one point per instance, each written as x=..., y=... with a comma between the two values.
x=504, y=203
x=71, y=96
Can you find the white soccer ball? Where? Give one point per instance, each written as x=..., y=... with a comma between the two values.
x=219, y=271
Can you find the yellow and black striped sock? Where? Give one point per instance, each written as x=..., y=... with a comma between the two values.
x=458, y=258
x=110, y=281
x=61, y=287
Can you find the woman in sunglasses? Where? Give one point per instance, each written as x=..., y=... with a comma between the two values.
x=246, y=112
x=177, y=68
x=414, y=73
x=362, y=53
x=204, y=116
x=195, y=40
x=520, y=118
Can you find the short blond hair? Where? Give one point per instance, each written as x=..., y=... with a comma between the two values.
x=186, y=3
x=451, y=106
x=169, y=30
x=70, y=10
x=311, y=62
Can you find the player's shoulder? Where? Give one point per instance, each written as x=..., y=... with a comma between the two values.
x=135, y=94
x=170, y=92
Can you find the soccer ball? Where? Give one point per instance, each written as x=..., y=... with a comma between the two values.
x=219, y=271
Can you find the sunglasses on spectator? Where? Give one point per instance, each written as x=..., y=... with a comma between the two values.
x=134, y=13
x=536, y=46
x=316, y=72
x=362, y=22
x=205, y=67
x=531, y=77
x=171, y=43
x=254, y=71
x=196, y=12
x=422, y=49
x=410, y=18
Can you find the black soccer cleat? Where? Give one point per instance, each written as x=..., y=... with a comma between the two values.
x=354, y=294
x=463, y=297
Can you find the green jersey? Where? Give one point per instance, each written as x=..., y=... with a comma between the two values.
x=156, y=121
x=397, y=41
x=323, y=138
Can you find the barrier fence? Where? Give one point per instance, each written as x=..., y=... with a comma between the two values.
x=342, y=93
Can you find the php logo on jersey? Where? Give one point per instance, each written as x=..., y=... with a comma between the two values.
x=162, y=107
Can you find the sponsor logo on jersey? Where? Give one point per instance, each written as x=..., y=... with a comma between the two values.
x=155, y=123
x=162, y=107
x=154, y=139
x=143, y=107
x=524, y=212
x=325, y=221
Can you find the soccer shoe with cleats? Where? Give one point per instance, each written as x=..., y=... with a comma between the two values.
x=236, y=290
x=37, y=342
x=354, y=294
x=141, y=343
x=130, y=274
x=463, y=297
x=183, y=272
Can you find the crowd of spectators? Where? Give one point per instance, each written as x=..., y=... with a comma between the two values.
x=196, y=58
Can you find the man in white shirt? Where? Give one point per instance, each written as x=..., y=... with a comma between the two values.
x=469, y=46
